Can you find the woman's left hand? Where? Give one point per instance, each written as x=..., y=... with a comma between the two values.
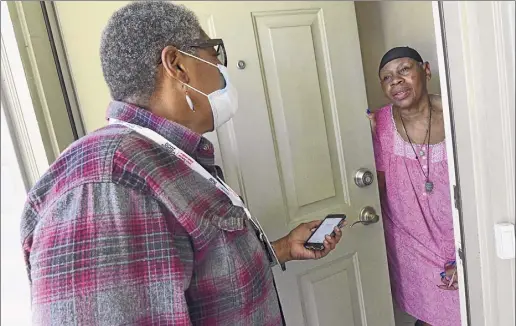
x=292, y=246
x=372, y=119
x=449, y=278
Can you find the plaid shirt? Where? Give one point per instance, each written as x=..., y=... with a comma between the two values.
x=119, y=232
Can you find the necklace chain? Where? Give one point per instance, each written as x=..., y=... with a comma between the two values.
x=427, y=138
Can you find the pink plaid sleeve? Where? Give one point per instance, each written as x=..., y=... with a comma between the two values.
x=105, y=254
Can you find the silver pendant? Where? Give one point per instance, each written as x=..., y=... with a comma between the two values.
x=429, y=186
x=421, y=153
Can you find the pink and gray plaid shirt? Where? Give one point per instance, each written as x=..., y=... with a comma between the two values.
x=119, y=232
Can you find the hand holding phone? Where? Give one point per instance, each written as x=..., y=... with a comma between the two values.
x=327, y=226
x=294, y=246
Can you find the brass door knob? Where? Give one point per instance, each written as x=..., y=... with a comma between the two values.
x=367, y=216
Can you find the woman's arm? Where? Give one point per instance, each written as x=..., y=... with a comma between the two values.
x=378, y=155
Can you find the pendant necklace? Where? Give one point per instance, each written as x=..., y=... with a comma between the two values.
x=429, y=185
x=421, y=150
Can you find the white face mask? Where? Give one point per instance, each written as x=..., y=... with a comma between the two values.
x=223, y=102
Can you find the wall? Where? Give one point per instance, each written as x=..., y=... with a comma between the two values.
x=383, y=25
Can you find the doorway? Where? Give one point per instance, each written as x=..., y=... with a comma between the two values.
x=386, y=24
x=337, y=191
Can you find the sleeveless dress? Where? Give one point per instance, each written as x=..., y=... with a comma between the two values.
x=418, y=225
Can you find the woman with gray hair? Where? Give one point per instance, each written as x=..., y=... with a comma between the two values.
x=133, y=224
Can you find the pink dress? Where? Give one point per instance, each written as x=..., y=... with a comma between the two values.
x=418, y=226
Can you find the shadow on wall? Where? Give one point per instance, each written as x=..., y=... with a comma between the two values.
x=383, y=25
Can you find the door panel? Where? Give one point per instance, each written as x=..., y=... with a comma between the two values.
x=296, y=109
x=337, y=281
x=293, y=147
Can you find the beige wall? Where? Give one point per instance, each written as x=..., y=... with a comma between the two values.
x=383, y=25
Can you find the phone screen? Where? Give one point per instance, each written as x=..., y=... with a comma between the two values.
x=326, y=228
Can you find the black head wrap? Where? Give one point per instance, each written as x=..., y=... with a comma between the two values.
x=399, y=52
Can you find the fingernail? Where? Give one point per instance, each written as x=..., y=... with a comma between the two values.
x=368, y=111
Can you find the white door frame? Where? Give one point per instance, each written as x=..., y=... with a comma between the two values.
x=45, y=79
x=477, y=69
x=476, y=63
x=24, y=128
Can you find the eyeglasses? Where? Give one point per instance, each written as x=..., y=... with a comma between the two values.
x=216, y=44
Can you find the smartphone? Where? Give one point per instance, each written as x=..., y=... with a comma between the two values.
x=315, y=242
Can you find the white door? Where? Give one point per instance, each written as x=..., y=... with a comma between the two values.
x=293, y=148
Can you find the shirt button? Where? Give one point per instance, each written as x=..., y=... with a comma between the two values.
x=424, y=166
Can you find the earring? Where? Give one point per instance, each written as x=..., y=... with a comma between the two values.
x=190, y=103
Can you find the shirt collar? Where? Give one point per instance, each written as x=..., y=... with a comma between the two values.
x=189, y=141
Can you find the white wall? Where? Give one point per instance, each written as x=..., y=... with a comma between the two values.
x=15, y=292
x=383, y=25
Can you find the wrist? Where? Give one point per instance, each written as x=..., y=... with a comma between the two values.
x=282, y=249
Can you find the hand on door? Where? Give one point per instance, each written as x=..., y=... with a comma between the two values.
x=291, y=247
x=449, y=277
x=372, y=118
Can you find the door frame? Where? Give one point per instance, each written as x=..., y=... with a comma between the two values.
x=461, y=27
x=58, y=123
x=21, y=120
x=475, y=42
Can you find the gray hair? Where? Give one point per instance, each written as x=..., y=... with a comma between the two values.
x=132, y=41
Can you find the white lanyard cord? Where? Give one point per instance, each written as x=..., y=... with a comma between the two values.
x=196, y=167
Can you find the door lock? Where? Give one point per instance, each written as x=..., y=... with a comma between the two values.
x=367, y=216
x=363, y=178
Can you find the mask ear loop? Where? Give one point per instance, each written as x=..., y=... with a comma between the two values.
x=193, y=56
x=188, y=99
x=202, y=60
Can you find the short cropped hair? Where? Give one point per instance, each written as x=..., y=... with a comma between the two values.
x=132, y=41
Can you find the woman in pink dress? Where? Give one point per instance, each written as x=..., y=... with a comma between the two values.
x=412, y=167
